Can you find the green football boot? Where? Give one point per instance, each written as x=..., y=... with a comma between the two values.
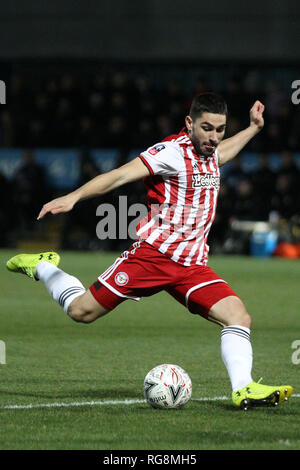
x=26, y=263
x=256, y=394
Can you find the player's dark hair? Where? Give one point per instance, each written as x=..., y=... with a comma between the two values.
x=207, y=103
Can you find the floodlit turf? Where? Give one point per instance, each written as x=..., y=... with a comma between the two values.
x=52, y=360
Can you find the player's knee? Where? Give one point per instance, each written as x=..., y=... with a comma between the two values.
x=82, y=310
x=247, y=320
x=79, y=313
x=240, y=318
x=230, y=311
x=238, y=314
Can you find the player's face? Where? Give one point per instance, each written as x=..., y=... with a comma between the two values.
x=206, y=132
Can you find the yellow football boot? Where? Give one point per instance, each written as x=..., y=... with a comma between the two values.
x=256, y=394
x=26, y=263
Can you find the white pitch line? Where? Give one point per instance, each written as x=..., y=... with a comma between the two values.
x=210, y=398
x=74, y=403
x=101, y=403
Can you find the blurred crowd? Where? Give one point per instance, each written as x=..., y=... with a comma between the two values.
x=260, y=195
x=113, y=109
x=117, y=111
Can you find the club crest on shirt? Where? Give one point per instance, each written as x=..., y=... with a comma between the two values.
x=206, y=181
x=121, y=279
x=157, y=148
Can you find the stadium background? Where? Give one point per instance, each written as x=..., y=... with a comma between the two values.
x=89, y=86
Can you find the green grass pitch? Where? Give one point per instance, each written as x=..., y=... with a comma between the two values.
x=51, y=360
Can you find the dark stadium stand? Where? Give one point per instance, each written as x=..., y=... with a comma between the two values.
x=62, y=128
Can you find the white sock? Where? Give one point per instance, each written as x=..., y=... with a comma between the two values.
x=236, y=351
x=63, y=287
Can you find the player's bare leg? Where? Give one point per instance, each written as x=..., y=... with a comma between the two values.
x=86, y=309
x=64, y=288
x=230, y=311
x=69, y=292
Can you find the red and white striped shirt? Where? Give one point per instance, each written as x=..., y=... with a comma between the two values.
x=182, y=197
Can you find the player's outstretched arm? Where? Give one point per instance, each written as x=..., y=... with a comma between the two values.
x=101, y=184
x=229, y=148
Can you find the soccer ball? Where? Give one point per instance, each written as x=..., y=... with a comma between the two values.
x=167, y=386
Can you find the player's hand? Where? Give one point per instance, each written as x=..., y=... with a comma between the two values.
x=58, y=206
x=256, y=115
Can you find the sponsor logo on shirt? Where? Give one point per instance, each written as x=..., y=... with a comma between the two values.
x=206, y=181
